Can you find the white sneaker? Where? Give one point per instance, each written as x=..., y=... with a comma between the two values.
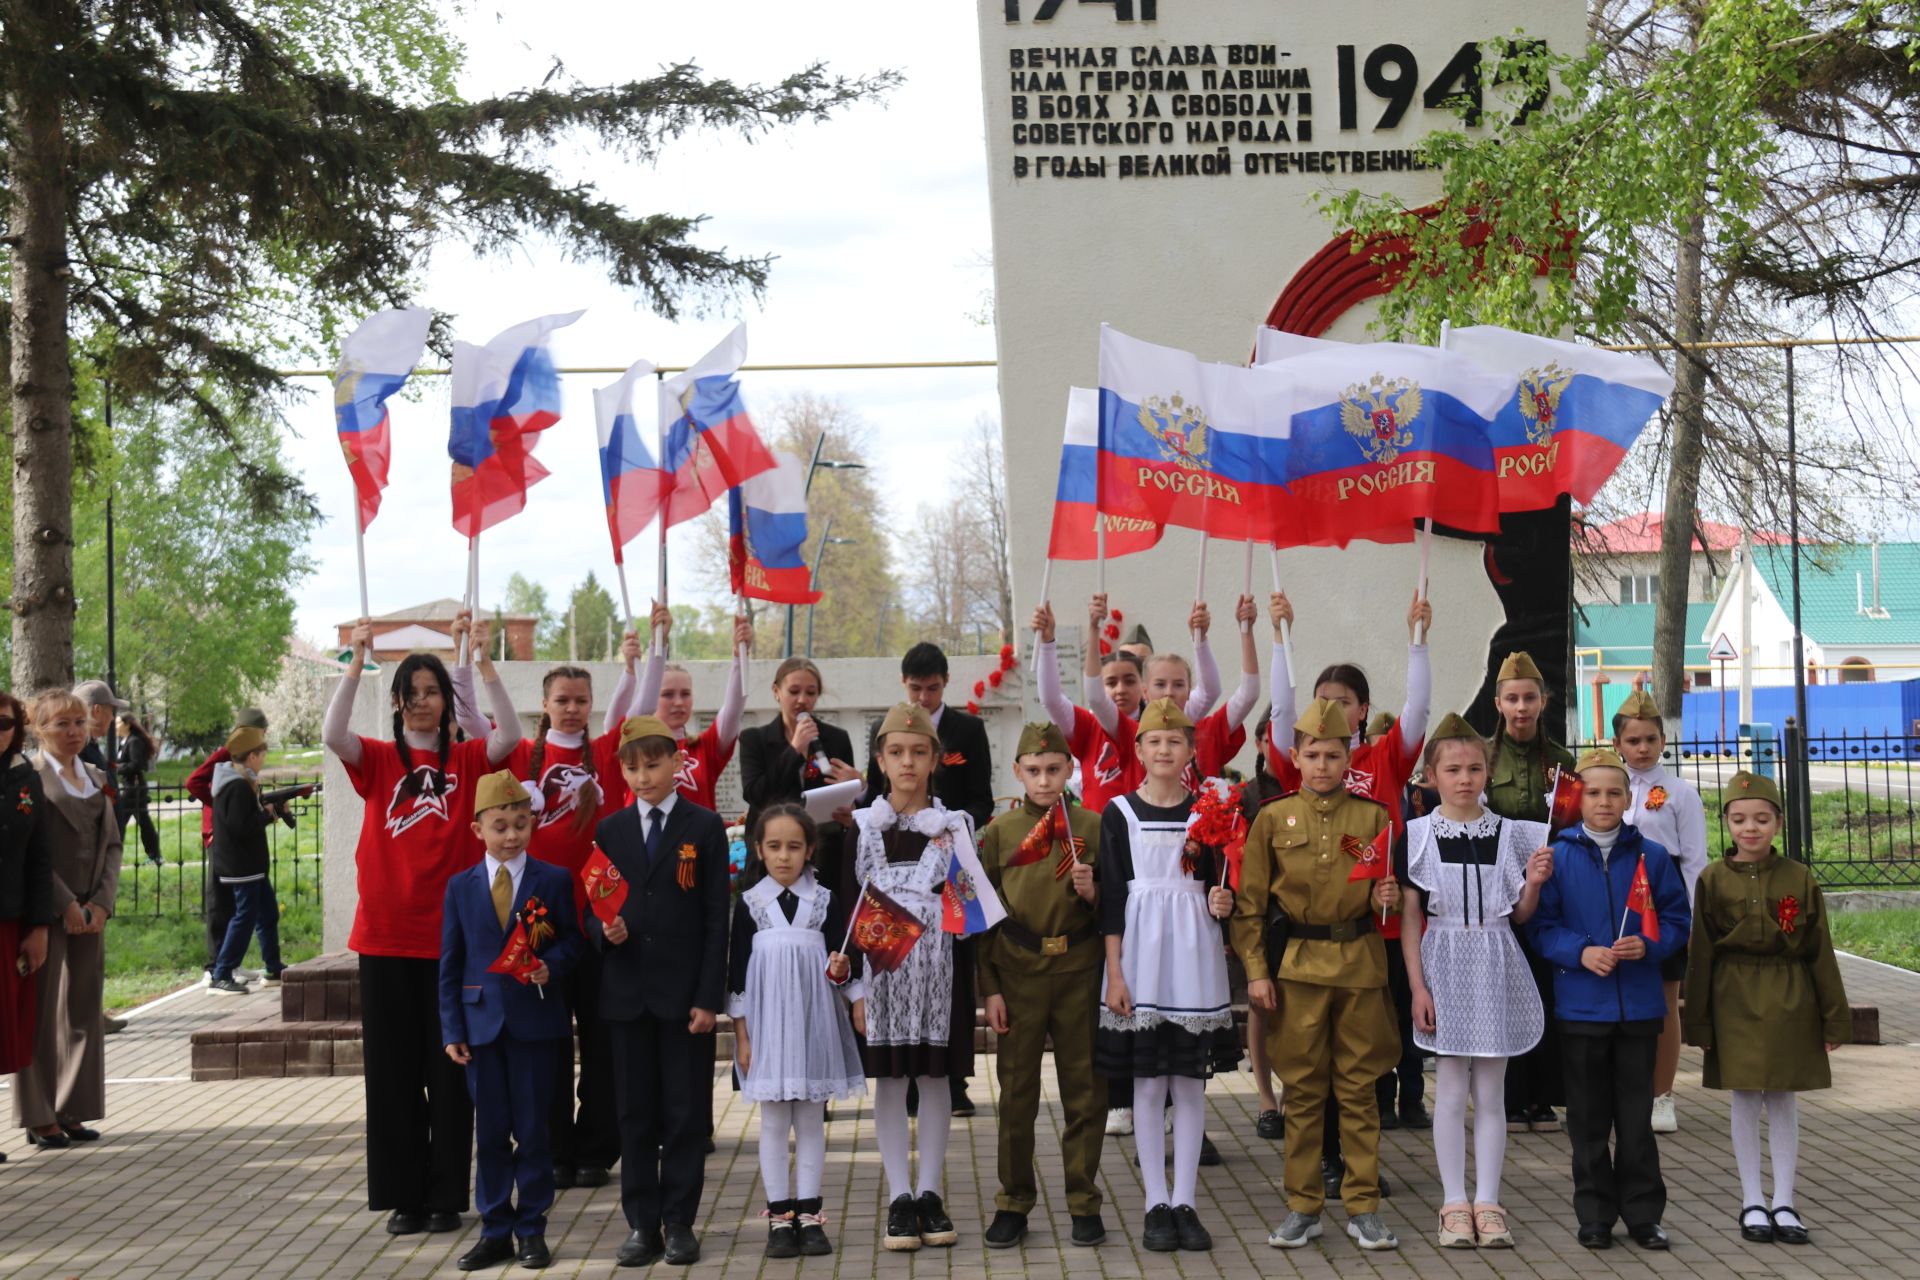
x=1119, y=1121
x=1665, y=1119
x=1370, y=1233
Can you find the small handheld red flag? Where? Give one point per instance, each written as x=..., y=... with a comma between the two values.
x=884, y=930
x=604, y=886
x=518, y=958
x=1370, y=857
x=1563, y=800
x=1640, y=898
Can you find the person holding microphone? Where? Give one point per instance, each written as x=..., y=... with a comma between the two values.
x=785, y=758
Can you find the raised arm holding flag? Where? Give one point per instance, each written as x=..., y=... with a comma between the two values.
x=375, y=362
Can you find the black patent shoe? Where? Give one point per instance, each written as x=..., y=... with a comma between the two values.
x=1788, y=1233
x=1596, y=1237
x=491, y=1251
x=683, y=1247
x=1006, y=1230
x=533, y=1253
x=79, y=1132
x=1194, y=1238
x=1162, y=1231
x=439, y=1223
x=1088, y=1229
x=402, y=1223
x=1651, y=1235
x=1270, y=1125
x=1760, y=1232
x=640, y=1249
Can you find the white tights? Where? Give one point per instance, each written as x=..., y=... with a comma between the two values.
x=1783, y=1140
x=890, y=1128
x=1488, y=1080
x=1150, y=1140
x=807, y=1121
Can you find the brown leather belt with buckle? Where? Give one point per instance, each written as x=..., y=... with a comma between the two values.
x=1055, y=945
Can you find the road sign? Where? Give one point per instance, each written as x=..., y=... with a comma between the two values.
x=1723, y=650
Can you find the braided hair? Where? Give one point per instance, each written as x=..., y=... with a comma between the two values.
x=410, y=784
x=587, y=803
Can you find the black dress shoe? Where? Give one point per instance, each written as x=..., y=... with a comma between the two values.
x=1006, y=1229
x=440, y=1223
x=51, y=1141
x=1649, y=1235
x=402, y=1223
x=683, y=1247
x=1389, y=1119
x=1270, y=1125
x=962, y=1104
x=1162, y=1231
x=565, y=1177
x=1794, y=1232
x=1209, y=1154
x=1596, y=1237
x=1194, y=1238
x=490, y=1252
x=80, y=1133
x=1088, y=1229
x=640, y=1249
x=1760, y=1232
x=589, y=1175
x=534, y=1254
x=1414, y=1115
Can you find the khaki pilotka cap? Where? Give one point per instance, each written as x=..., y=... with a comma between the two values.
x=1381, y=722
x=1640, y=706
x=634, y=728
x=1519, y=666
x=1162, y=713
x=252, y=716
x=245, y=740
x=1324, y=718
x=497, y=790
x=1136, y=635
x=907, y=717
x=1042, y=737
x=1453, y=726
x=1751, y=786
x=1600, y=758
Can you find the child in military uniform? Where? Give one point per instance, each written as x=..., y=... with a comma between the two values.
x=1668, y=811
x=1764, y=998
x=1037, y=974
x=1519, y=786
x=1327, y=975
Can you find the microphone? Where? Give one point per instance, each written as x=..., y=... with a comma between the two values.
x=819, y=757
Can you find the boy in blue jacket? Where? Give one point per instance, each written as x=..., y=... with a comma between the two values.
x=501, y=1030
x=1605, y=941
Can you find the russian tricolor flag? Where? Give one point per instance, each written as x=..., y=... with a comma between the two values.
x=630, y=483
x=375, y=361
x=968, y=904
x=767, y=522
x=1576, y=413
x=708, y=440
x=1182, y=442
x=1076, y=498
x=504, y=395
x=1385, y=434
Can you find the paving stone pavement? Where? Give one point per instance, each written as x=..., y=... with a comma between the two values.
x=265, y=1178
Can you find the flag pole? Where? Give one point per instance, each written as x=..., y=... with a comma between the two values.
x=1100, y=551
x=741, y=652
x=360, y=554
x=473, y=573
x=1426, y=522
x=620, y=571
x=1246, y=579
x=1286, y=628
x=666, y=499
x=1200, y=579
x=853, y=917
x=1046, y=597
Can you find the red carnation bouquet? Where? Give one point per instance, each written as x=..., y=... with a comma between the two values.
x=1217, y=823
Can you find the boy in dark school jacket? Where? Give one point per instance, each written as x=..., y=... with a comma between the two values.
x=502, y=1030
x=664, y=979
x=1613, y=911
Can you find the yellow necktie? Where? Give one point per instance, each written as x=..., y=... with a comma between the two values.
x=502, y=895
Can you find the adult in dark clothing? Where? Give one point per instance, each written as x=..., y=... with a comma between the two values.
x=242, y=859
x=777, y=759
x=137, y=753
x=217, y=897
x=26, y=890
x=963, y=781
x=101, y=705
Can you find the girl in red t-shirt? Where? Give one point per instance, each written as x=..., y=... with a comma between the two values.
x=1219, y=734
x=415, y=835
x=668, y=688
x=1100, y=735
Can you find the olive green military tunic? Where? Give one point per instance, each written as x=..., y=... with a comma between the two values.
x=1519, y=783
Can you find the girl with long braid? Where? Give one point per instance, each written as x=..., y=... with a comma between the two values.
x=416, y=834
x=667, y=687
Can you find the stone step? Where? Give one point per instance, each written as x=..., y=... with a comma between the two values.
x=323, y=989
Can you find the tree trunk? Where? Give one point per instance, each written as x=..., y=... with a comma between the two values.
x=1683, y=478
x=42, y=391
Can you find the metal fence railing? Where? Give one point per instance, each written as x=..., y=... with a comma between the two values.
x=1851, y=812
x=177, y=885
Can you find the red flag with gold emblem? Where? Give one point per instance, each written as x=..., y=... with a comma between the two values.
x=1370, y=857
x=884, y=930
x=605, y=888
x=517, y=959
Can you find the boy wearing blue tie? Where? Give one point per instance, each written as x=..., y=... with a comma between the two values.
x=663, y=981
x=502, y=1029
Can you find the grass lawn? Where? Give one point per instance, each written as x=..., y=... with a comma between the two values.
x=1891, y=936
x=306, y=760
x=148, y=956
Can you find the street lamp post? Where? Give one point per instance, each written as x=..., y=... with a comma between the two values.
x=816, y=463
x=813, y=580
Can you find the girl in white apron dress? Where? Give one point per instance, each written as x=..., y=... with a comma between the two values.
x=792, y=1040
x=1168, y=1016
x=1471, y=874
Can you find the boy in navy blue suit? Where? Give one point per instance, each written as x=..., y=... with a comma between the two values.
x=1609, y=1003
x=501, y=1030
x=663, y=980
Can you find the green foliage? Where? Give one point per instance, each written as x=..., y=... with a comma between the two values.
x=1891, y=936
x=594, y=615
x=700, y=634
x=526, y=597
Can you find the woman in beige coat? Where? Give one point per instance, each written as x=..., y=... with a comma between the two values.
x=66, y=1083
